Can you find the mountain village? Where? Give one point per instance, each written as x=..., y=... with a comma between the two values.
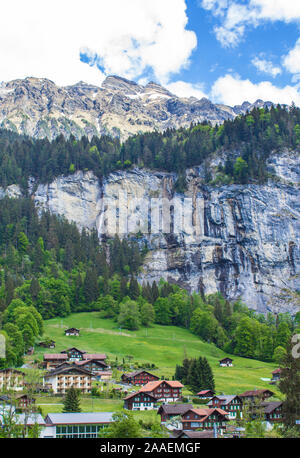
x=205, y=415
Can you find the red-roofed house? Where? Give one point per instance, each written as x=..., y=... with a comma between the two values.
x=204, y=419
x=205, y=394
x=164, y=390
x=276, y=375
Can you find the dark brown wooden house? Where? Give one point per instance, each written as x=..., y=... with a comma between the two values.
x=251, y=396
x=231, y=404
x=74, y=354
x=168, y=411
x=205, y=394
x=139, y=377
x=273, y=411
x=140, y=401
x=94, y=366
x=52, y=360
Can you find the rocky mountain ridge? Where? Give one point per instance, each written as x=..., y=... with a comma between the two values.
x=38, y=108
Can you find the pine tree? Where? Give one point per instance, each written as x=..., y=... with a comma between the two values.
x=71, y=401
x=289, y=385
x=134, y=289
x=207, y=376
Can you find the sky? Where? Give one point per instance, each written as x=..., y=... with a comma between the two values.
x=229, y=51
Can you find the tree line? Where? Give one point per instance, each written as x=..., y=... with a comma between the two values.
x=252, y=136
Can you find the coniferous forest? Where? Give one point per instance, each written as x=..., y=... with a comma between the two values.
x=254, y=135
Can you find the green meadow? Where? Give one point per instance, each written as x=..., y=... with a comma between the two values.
x=164, y=346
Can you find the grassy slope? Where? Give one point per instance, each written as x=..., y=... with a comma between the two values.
x=162, y=345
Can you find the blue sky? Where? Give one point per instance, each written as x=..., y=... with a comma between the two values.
x=227, y=50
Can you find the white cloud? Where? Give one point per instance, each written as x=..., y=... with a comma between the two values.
x=235, y=16
x=266, y=66
x=129, y=38
x=232, y=90
x=183, y=89
x=277, y=10
x=292, y=60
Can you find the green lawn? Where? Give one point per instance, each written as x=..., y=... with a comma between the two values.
x=162, y=345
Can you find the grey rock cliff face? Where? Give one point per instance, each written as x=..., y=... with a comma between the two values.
x=243, y=241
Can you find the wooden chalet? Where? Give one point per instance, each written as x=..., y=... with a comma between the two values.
x=74, y=354
x=95, y=356
x=205, y=394
x=67, y=376
x=231, y=404
x=276, y=375
x=168, y=411
x=20, y=401
x=72, y=332
x=11, y=379
x=251, y=396
x=94, y=366
x=195, y=419
x=139, y=377
x=52, y=360
x=226, y=362
x=273, y=411
x=164, y=390
x=140, y=401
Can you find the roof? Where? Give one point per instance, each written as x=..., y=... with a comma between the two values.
x=197, y=434
x=225, y=399
x=269, y=407
x=72, y=329
x=277, y=371
x=59, y=356
x=103, y=373
x=66, y=369
x=11, y=369
x=87, y=361
x=32, y=419
x=72, y=348
x=207, y=412
x=79, y=418
x=94, y=356
x=140, y=371
x=204, y=392
x=255, y=393
x=150, y=386
x=225, y=359
x=138, y=393
x=175, y=409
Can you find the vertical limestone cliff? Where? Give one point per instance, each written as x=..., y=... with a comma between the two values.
x=241, y=240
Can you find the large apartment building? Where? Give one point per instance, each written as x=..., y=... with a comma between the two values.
x=67, y=376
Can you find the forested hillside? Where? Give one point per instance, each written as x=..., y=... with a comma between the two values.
x=49, y=269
